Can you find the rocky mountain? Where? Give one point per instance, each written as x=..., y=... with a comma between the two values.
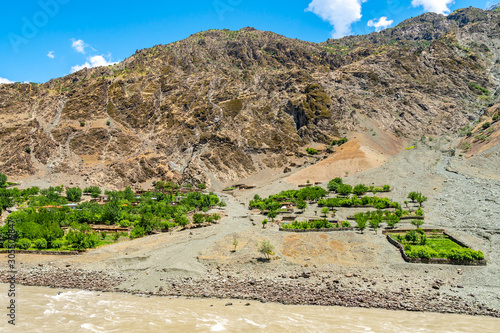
x=221, y=105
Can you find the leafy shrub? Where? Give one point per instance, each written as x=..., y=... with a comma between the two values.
x=181, y=220
x=411, y=236
x=339, y=142
x=496, y=117
x=464, y=254
x=137, y=232
x=125, y=223
x=344, y=189
x=346, y=224
x=27, y=149
x=23, y=244
x=421, y=252
x=334, y=184
x=41, y=243
x=198, y=218
x=486, y=125
x=266, y=248
x=82, y=123
x=81, y=241
x=94, y=191
x=201, y=186
x=386, y=187
x=57, y=243
x=311, y=151
x=360, y=189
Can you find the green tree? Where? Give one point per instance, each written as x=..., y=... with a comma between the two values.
x=375, y=222
x=421, y=199
x=417, y=223
x=392, y=220
x=23, y=244
x=181, y=220
x=74, y=194
x=202, y=186
x=41, y=243
x=264, y=222
x=94, y=191
x=413, y=196
x=334, y=184
x=361, y=220
x=198, y=218
x=266, y=248
x=137, y=232
x=3, y=180
x=344, y=189
x=325, y=211
x=301, y=204
x=111, y=213
x=360, y=189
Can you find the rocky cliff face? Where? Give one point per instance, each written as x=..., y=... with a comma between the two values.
x=221, y=105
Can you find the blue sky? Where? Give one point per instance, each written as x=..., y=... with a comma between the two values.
x=44, y=39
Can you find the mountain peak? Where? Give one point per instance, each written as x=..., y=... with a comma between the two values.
x=493, y=7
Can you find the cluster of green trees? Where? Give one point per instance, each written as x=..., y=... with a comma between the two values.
x=375, y=219
x=417, y=197
x=418, y=245
x=94, y=191
x=317, y=224
x=154, y=211
x=338, y=186
x=379, y=203
x=274, y=202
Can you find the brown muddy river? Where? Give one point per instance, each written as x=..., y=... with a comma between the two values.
x=40, y=309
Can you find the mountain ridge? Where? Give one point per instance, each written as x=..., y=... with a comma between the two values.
x=221, y=105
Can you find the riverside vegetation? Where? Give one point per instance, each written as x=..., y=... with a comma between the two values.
x=45, y=221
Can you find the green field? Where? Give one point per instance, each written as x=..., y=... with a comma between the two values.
x=418, y=244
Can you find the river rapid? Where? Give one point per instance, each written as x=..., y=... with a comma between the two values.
x=41, y=309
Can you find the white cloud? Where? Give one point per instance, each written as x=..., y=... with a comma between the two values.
x=339, y=13
x=94, y=61
x=79, y=45
x=381, y=24
x=2, y=80
x=51, y=55
x=436, y=6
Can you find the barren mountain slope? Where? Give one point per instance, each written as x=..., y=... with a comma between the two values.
x=222, y=105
